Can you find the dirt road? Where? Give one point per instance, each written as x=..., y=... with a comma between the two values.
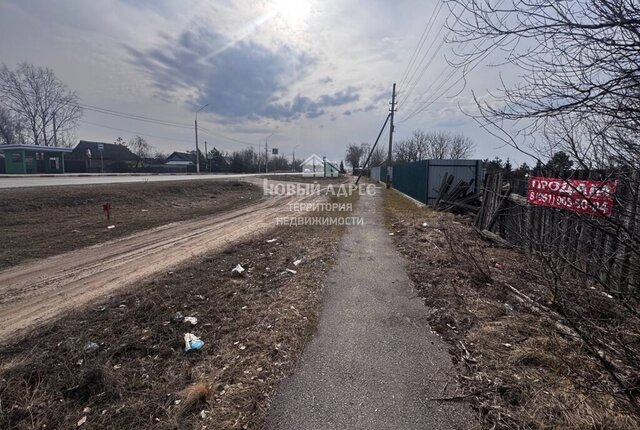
x=36, y=292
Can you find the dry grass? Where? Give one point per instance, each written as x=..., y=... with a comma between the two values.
x=44, y=221
x=254, y=328
x=520, y=368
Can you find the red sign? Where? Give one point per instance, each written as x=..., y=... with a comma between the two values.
x=585, y=197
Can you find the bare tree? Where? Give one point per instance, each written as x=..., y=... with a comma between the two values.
x=460, y=147
x=432, y=145
x=354, y=155
x=378, y=156
x=579, y=89
x=140, y=147
x=10, y=129
x=46, y=108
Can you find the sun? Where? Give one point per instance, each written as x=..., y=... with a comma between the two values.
x=293, y=12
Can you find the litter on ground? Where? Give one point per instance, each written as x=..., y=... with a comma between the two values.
x=238, y=270
x=192, y=320
x=90, y=346
x=191, y=341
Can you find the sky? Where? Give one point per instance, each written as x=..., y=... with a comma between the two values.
x=315, y=75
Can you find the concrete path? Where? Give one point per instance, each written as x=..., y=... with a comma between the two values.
x=374, y=362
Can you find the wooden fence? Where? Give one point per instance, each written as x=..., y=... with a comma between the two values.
x=608, y=249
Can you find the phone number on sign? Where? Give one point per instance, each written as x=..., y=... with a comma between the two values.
x=579, y=204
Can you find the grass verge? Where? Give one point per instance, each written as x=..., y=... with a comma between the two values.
x=521, y=364
x=44, y=221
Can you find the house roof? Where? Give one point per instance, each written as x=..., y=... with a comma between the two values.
x=111, y=151
x=332, y=165
x=181, y=156
x=38, y=148
x=312, y=159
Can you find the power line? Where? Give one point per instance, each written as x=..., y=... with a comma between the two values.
x=428, y=102
x=423, y=38
x=422, y=72
x=425, y=100
x=133, y=116
x=134, y=132
x=186, y=141
x=156, y=121
x=141, y=118
x=415, y=79
x=227, y=137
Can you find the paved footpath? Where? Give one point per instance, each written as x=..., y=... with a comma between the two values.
x=374, y=362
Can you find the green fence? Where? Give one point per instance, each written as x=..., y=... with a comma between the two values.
x=421, y=180
x=411, y=179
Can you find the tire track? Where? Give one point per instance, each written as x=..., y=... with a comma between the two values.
x=36, y=292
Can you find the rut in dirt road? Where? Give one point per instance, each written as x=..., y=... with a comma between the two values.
x=374, y=362
x=36, y=292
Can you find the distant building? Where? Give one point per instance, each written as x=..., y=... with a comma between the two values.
x=101, y=156
x=319, y=167
x=181, y=159
x=29, y=159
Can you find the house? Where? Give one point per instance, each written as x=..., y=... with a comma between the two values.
x=330, y=170
x=90, y=156
x=26, y=159
x=319, y=167
x=180, y=162
x=181, y=159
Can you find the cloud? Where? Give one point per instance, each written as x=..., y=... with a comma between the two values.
x=239, y=80
x=309, y=108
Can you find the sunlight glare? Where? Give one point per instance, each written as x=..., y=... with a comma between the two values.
x=293, y=12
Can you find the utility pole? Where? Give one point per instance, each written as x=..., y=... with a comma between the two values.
x=206, y=157
x=55, y=131
x=266, y=154
x=293, y=158
x=389, y=161
x=197, y=150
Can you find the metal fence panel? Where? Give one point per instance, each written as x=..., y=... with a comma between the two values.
x=375, y=173
x=462, y=170
x=411, y=179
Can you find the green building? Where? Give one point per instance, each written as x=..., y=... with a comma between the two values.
x=27, y=159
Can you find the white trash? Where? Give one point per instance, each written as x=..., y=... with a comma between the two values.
x=192, y=320
x=191, y=341
x=238, y=270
